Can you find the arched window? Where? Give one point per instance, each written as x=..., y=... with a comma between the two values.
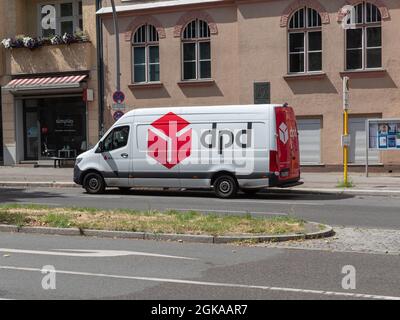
x=305, y=41
x=364, y=39
x=196, y=51
x=146, y=55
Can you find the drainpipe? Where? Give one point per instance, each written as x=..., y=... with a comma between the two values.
x=117, y=55
x=100, y=68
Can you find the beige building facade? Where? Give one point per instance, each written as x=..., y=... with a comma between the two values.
x=49, y=98
x=221, y=52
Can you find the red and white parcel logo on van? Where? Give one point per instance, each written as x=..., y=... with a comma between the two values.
x=283, y=133
x=170, y=140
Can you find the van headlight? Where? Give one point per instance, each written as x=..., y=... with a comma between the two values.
x=78, y=161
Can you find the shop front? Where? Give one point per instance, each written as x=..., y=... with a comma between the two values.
x=1, y=136
x=54, y=127
x=51, y=118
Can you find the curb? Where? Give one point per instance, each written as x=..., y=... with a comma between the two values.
x=39, y=184
x=365, y=192
x=327, y=232
x=370, y=192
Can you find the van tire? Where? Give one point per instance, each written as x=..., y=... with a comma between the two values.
x=225, y=187
x=94, y=183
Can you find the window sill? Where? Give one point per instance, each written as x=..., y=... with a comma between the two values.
x=373, y=73
x=196, y=83
x=305, y=76
x=145, y=85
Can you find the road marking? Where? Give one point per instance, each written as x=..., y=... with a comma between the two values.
x=98, y=197
x=227, y=211
x=213, y=284
x=256, y=200
x=92, y=253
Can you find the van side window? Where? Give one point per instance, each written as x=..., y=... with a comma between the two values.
x=118, y=138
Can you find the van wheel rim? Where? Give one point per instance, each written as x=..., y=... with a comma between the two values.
x=225, y=187
x=93, y=183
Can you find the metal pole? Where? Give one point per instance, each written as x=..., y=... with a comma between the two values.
x=367, y=147
x=117, y=49
x=346, y=148
x=346, y=94
x=100, y=66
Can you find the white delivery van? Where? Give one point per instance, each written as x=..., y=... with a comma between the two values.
x=227, y=148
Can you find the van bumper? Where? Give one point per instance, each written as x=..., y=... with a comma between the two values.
x=78, y=175
x=274, y=181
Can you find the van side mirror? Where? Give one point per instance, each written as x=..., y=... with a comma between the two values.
x=100, y=148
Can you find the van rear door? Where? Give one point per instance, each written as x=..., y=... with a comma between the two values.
x=287, y=145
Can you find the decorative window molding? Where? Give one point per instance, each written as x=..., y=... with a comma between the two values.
x=196, y=51
x=305, y=42
x=140, y=21
x=193, y=15
x=363, y=42
x=145, y=55
x=297, y=4
x=378, y=3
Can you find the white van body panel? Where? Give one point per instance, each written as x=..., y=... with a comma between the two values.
x=220, y=138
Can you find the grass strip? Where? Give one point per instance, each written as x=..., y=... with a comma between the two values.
x=151, y=221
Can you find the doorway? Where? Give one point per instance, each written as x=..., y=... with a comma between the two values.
x=54, y=127
x=31, y=133
x=1, y=133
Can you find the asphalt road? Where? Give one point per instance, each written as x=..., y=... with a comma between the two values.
x=336, y=210
x=130, y=269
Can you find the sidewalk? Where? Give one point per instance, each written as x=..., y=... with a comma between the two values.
x=313, y=182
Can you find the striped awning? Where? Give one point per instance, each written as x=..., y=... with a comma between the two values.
x=43, y=83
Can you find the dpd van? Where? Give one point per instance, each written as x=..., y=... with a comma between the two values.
x=227, y=148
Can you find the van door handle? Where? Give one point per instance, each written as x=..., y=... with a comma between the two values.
x=124, y=155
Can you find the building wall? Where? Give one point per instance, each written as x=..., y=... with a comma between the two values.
x=251, y=45
x=20, y=17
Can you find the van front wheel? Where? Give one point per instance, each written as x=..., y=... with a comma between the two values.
x=225, y=187
x=94, y=183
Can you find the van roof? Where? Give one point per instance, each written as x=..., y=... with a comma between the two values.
x=260, y=108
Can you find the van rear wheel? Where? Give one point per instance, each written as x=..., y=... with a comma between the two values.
x=94, y=183
x=225, y=187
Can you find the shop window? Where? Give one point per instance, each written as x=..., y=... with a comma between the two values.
x=196, y=51
x=364, y=42
x=305, y=41
x=118, y=138
x=146, y=55
x=68, y=18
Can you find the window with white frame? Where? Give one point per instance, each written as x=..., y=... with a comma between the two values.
x=69, y=18
x=146, y=55
x=196, y=51
x=364, y=42
x=305, y=41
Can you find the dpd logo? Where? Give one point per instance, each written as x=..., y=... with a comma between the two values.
x=283, y=133
x=170, y=140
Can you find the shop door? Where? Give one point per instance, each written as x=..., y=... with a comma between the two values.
x=1, y=135
x=31, y=131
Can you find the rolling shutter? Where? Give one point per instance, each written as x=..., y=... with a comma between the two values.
x=358, y=142
x=310, y=141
